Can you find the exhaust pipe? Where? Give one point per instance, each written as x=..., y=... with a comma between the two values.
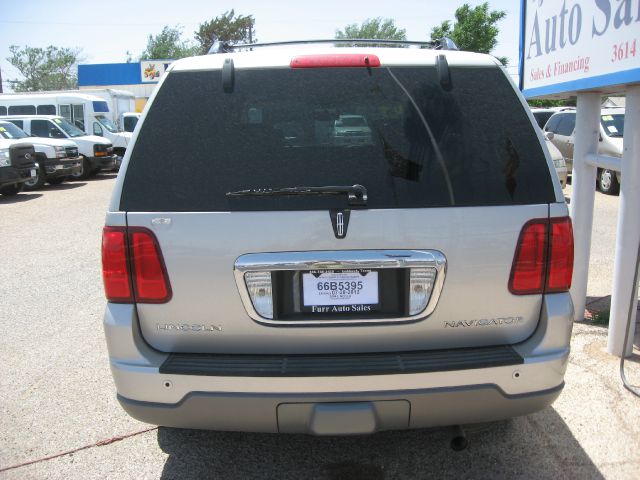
x=459, y=441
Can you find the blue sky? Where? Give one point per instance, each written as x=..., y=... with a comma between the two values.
x=105, y=30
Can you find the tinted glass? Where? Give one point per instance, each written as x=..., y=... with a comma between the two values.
x=3, y=110
x=416, y=145
x=17, y=123
x=69, y=129
x=130, y=123
x=613, y=125
x=46, y=109
x=552, y=124
x=542, y=117
x=40, y=128
x=100, y=107
x=11, y=131
x=22, y=110
x=567, y=122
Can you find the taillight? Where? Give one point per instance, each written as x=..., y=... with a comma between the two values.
x=132, y=266
x=335, y=60
x=115, y=265
x=560, y=255
x=543, y=261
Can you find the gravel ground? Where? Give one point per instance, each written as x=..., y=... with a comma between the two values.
x=57, y=394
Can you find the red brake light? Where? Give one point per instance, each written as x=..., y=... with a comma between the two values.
x=543, y=262
x=150, y=280
x=115, y=271
x=528, y=269
x=132, y=266
x=560, y=255
x=339, y=60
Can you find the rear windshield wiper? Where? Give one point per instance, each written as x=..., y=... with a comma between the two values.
x=356, y=194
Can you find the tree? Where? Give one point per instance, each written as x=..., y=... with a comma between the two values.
x=378, y=28
x=226, y=29
x=475, y=29
x=50, y=68
x=168, y=44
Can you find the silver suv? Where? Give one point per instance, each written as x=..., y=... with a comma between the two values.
x=262, y=277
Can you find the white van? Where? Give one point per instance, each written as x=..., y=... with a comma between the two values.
x=96, y=152
x=87, y=112
x=122, y=105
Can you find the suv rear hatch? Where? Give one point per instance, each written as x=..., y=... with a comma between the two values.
x=452, y=173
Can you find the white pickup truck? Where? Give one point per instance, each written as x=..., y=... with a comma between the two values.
x=96, y=152
x=56, y=158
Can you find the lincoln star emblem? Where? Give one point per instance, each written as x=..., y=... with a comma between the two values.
x=340, y=222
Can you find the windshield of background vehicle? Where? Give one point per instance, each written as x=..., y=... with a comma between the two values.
x=10, y=131
x=613, y=125
x=70, y=129
x=106, y=123
x=427, y=147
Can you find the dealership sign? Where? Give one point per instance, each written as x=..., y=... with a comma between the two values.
x=152, y=70
x=574, y=45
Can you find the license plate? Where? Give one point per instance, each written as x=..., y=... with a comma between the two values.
x=33, y=172
x=340, y=291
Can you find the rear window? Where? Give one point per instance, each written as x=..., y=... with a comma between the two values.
x=395, y=131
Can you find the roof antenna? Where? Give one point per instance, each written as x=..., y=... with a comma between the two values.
x=444, y=74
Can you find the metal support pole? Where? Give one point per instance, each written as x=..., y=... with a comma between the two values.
x=583, y=182
x=628, y=233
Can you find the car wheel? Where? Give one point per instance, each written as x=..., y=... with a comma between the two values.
x=608, y=182
x=56, y=181
x=39, y=180
x=11, y=190
x=84, y=172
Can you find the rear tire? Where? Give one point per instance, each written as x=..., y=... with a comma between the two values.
x=608, y=182
x=11, y=190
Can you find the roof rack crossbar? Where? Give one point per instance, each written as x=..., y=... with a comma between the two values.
x=444, y=44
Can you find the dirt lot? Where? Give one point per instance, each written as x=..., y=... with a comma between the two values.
x=57, y=395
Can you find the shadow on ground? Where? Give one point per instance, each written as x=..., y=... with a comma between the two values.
x=65, y=186
x=19, y=198
x=536, y=446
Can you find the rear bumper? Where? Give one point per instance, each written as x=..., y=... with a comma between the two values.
x=339, y=413
x=246, y=401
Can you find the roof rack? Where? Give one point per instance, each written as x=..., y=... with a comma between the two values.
x=443, y=44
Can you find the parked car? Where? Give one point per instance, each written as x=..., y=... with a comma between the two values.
x=96, y=152
x=17, y=165
x=558, y=161
x=259, y=279
x=57, y=159
x=561, y=131
x=351, y=130
x=542, y=115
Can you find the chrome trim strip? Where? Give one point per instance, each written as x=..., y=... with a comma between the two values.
x=340, y=260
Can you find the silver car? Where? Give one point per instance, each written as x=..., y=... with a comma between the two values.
x=560, y=130
x=261, y=277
